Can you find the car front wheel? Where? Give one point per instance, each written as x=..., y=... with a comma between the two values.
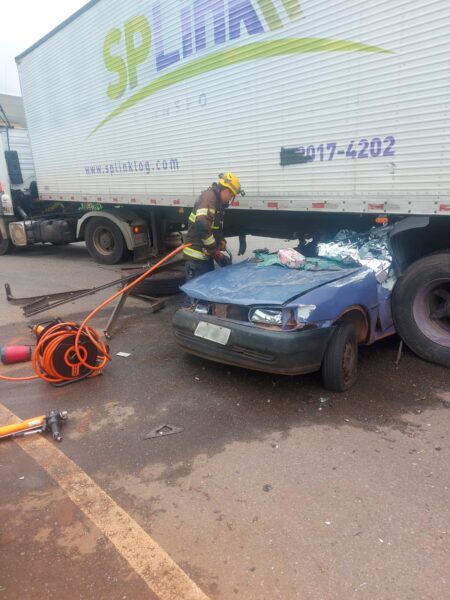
x=340, y=362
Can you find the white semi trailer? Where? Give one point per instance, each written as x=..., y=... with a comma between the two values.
x=332, y=112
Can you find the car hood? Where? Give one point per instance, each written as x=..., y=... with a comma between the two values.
x=248, y=284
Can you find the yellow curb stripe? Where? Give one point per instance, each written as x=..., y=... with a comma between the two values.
x=161, y=574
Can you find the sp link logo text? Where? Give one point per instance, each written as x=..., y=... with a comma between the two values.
x=146, y=37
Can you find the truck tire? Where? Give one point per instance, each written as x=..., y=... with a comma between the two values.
x=421, y=308
x=340, y=362
x=163, y=283
x=105, y=241
x=5, y=245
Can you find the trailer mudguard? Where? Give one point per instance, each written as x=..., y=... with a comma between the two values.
x=122, y=218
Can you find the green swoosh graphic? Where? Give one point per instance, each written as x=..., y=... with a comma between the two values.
x=225, y=58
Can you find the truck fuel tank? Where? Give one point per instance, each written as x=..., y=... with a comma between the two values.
x=55, y=231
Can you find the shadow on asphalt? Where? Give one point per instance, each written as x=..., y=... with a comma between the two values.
x=75, y=251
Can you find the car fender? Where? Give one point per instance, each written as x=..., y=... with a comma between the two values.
x=330, y=302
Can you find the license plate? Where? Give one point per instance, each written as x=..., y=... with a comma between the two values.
x=213, y=333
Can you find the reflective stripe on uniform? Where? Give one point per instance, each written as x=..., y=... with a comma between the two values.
x=209, y=240
x=195, y=254
x=212, y=211
x=215, y=226
x=201, y=212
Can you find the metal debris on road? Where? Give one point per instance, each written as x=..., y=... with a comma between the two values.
x=163, y=430
x=324, y=402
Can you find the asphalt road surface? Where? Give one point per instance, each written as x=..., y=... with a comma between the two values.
x=274, y=490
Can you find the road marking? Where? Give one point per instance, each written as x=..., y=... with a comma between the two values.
x=161, y=574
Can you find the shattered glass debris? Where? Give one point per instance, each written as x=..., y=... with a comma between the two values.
x=348, y=248
x=369, y=250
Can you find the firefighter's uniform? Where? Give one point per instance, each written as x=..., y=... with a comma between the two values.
x=205, y=231
x=205, y=227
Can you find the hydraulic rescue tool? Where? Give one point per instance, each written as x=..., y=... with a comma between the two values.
x=52, y=422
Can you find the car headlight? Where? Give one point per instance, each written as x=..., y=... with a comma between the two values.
x=203, y=309
x=267, y=316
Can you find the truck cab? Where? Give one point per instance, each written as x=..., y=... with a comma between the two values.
x=17, y=173
x=6, y=207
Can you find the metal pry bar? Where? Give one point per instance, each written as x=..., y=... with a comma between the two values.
x=34, y=305
x=31, y=299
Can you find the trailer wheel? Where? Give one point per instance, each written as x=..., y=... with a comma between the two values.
x=5, y=245
x=105, y=241
x=421, y=307
x=340, y=362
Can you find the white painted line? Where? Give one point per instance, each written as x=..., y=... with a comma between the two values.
x=161, y=574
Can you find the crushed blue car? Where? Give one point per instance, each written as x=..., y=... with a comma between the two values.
x=286, y=321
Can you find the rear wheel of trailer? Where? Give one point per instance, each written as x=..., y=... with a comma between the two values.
x=421, y=307
x=105, y=241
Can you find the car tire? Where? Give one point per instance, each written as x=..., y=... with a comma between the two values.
x=5, y=245
x=105, y=241
x=340, y=362
x=421, y=308
x=163, y=283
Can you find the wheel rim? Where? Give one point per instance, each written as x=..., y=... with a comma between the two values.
x=431, y=310
x=103, y=241
x=348, y=361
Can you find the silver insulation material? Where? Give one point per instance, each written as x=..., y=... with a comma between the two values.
x=369, y=250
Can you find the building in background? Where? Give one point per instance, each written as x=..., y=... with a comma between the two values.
x=11, y=112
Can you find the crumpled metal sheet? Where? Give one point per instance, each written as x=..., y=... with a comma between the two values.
x=369, y=250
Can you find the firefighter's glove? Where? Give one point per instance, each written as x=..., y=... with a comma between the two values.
x=222, y=245
x=223, y=260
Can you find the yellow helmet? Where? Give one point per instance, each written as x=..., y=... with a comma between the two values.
x=230, y=181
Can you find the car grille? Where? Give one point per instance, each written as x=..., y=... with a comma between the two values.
x=230, y=311
x=189, y=338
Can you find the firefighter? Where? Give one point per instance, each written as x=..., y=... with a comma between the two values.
x=206, y=224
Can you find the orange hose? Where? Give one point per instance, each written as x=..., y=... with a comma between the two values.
x=44, y=353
